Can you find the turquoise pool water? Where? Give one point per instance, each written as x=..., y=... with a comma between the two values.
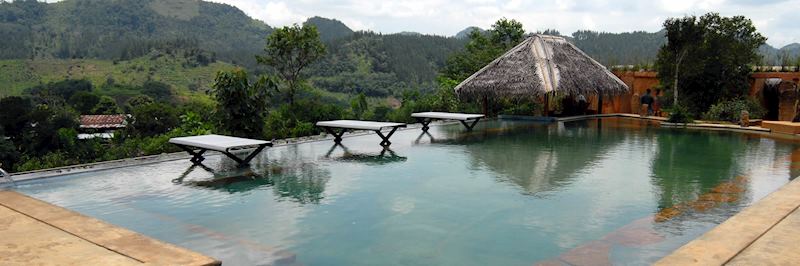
x=614, y=191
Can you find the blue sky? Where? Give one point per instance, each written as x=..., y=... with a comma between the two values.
x=774, y=18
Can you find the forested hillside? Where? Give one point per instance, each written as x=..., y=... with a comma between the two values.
x=125, y=29
x=629, y=48
x=330, y=29
x=105, y=31
x=183, y=72
x=785, y=56
x=379, y=65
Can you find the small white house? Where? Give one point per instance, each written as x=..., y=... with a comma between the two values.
x=101, y=126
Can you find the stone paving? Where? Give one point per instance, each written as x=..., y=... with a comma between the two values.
x=765, y=233
x=37, y=233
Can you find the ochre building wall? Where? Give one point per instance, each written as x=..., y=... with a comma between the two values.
x=640, y=81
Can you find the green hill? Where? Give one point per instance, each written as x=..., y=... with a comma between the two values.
x=330, y=29
x=122, y=29
x=185, y=75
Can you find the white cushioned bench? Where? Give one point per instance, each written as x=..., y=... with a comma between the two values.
x=344, y=125
x=427, y=117
x=223, y=144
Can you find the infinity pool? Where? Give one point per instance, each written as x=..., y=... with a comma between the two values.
x=611, y=191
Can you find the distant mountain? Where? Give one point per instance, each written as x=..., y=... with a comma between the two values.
x=123, y=39
x=463, y=34
x=382, y=65
x=626, y=48
x=330, y=29
x=784, y=56
x=125, y=29
x=409, y=33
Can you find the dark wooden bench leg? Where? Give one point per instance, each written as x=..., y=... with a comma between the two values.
x=337, y=136
x=197, y=156
x=425, y=122
x=469, y=126
x=246, y=160
x=385, y=138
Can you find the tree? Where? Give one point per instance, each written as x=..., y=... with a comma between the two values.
x=682, y=36
x=158, y=91
x=507, y=33
x=707, y=59
x=84, y=101
x=137, y=101
x=482, y=48
x=106, y=106
x=359, y=105
x=289, y=51
x=153, y=119
x=8, y=153
x=241, y=104
x=15, y=122
x=61, y=91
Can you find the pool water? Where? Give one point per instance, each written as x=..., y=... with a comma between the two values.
x=615, y=190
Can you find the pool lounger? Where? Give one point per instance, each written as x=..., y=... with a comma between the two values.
x=223, y=144
x=344, y=125
x=427, y=117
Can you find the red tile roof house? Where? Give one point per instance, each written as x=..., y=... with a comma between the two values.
x=101, y=126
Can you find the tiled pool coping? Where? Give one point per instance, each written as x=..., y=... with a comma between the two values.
x=765, y=233
x=38, y=233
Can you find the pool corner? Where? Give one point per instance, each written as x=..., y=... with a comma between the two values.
x=36, y=232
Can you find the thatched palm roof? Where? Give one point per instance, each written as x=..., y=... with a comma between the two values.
x=541, y=64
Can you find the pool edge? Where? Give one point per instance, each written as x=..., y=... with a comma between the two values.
x=729, y=240
x=84, y=234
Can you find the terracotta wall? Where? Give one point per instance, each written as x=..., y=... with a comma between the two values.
x=640, y=81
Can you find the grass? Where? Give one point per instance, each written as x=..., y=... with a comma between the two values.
x=188, y=82
x=18, y=75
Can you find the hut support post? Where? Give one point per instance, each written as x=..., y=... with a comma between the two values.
x=599, y=103
x=485, y=106
x=546, y=110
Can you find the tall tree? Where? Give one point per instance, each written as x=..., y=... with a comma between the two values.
x=106, y=106
x=289, y=51
x=242, y=104
x=707, y=59
x=482, y=48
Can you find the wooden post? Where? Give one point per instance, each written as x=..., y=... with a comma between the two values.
x=485, y=106
x=599, y=103
x=545, y=113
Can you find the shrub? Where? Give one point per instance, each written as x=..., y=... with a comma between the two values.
x=679, y=114
x=731, y=110
x=522, y=108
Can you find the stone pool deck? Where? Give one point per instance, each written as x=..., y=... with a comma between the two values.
x=33, y=232
x=765, y=233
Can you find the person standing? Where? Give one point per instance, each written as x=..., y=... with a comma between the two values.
x=657, y=103
x=647, y=103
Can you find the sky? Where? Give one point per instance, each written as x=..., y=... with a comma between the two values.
x=773, y=18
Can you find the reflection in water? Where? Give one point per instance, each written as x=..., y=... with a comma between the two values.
x=543, y=157
x=385, y=156
x=425, y=134
x=794, y=168
x=689, y=164
x=289, y=178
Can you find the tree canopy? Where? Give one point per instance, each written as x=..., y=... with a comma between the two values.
x=482, y=48
x=707, y=59
x=242, y=104
x=289, y=51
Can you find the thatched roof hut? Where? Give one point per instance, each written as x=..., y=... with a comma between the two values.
x=539, y=65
